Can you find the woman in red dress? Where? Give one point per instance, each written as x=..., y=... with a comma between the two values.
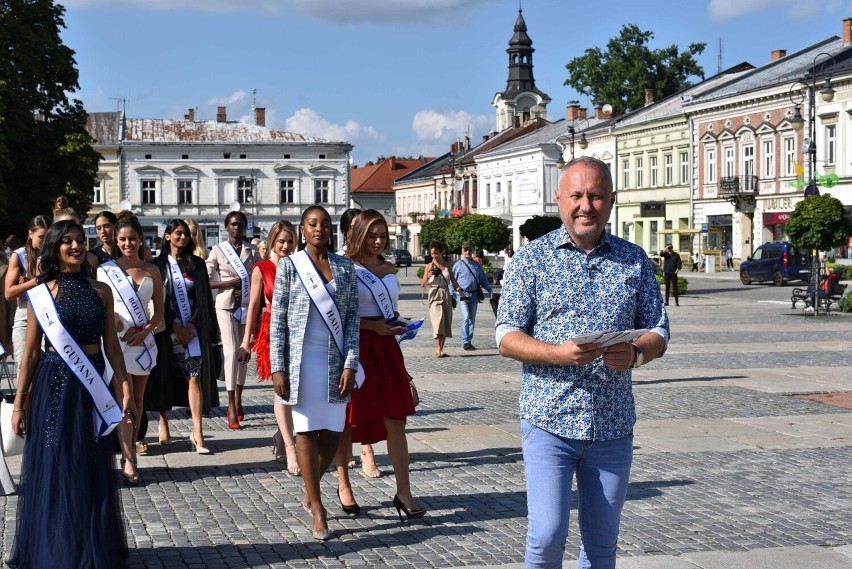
x=379, y=408
x=282, y=239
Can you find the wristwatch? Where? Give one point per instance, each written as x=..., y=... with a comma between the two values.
x=638, y=356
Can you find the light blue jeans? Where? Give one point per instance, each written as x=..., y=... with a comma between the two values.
x=603, y=470
x=467, y=313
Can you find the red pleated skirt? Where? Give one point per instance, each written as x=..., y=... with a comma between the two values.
x=261, y=347
x=385, y=392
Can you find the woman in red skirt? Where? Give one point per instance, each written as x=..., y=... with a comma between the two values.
x=282, y=242
x=379, y=407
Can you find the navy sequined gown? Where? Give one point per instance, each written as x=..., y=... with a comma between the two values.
x=69, y=513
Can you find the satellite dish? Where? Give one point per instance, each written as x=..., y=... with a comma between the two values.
x=235, y=205
x=124, y=205
x=607, y=109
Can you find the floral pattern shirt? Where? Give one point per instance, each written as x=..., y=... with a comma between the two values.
x=554, y=291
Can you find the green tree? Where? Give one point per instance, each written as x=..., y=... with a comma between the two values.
x=484, y=231
x=819, y=223
x=435, y=230
x=45, y=150
x=539, y=225
x=620, y=74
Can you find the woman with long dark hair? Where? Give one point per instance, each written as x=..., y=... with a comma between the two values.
x=21, y=277
x=137, y=290
x=438, y=277
x=184, y=347
x=229, y=270
x=69, y=513
x=282, y=236
x=105, y=227
x=379, y=408
x=314, y=351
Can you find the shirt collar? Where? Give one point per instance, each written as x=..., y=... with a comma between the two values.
x=563, y=241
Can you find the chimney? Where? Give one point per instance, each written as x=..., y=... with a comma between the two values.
x=467, y=142
x=847, y=31
x=392, y=161
x=572, y=113
x=484, y=138
x=221, y=114
x=777, y=54
x=581, y=113
x=516, y=121
x=599, y=114
x=649, y=96
x=190, y=116
x=260, y=116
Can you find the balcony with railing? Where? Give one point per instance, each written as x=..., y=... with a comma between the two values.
x=737, y=185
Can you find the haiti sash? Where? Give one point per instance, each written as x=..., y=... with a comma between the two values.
x=21, y=252
x=245, y=280
x=121, y=286
x=107, y=410
x=181, y=295
x=309, y=275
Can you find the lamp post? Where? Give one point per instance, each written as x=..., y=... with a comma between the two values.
x=568, y=139
x=249, y=194
x=458, y=184
x=800, y=90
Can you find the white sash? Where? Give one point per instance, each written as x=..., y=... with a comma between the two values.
x=121, y=286
x=107, y=410
x=239, y=267
x=21, y=252
x=181, y=294
x=378, y=290
x=309, y=275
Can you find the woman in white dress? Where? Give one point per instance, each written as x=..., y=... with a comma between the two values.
x=311, y=371
x=147, y=282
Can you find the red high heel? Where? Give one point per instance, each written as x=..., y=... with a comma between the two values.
x=235, y=425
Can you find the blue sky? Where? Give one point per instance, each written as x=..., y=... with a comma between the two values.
x=392, y=77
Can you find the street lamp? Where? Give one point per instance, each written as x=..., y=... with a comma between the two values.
x=568, y=139
x=797, y=97
x=799, y=91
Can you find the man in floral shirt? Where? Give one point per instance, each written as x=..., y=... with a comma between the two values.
x=576, y=403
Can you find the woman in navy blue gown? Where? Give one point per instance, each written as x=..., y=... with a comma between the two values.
x=69, y=513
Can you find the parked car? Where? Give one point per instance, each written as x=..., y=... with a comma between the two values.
x=779, y=262
x=390, y=257
x=401, y=257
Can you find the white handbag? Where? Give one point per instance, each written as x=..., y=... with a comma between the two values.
x=12, y=443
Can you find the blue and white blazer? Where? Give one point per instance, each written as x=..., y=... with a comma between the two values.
x=290, y=308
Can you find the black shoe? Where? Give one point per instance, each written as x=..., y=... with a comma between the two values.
x=677, y=304
x=667, y=304
x=468, y=347
x=409, y=514
x=351, y=510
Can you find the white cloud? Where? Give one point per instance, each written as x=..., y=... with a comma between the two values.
x=235, y=97
x=310, y=123
x=432, y=125
x=446, y=12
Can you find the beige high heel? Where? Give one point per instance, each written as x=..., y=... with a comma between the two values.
x=198, y=449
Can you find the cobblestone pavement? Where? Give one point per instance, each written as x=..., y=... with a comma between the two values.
x=726, y=461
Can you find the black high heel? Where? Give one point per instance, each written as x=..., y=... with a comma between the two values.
x=351, y=510
x=409, y=514
x=131, y=480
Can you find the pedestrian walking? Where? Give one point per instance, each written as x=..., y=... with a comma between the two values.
x=313, y=350
x=437, y=277
x=555, y=290
x=229, y=270
x=671, y=266
x=695, y=256
x=69, y=512
x=282, y=236
x=729, y=257
x=471, y=279
x=378, y=409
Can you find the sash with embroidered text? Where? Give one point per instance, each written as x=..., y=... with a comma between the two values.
x=181, y=296
x=309, y=275
x=245, y=280
x=107, y=410
x=123, y=288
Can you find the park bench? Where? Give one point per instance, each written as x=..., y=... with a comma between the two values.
x=805, y=295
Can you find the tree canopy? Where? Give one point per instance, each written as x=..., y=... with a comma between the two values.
x=435, y=230
x=620, y=74
x=819, y=222
x=45, y=150
x=483, y=231
x=539, y=225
